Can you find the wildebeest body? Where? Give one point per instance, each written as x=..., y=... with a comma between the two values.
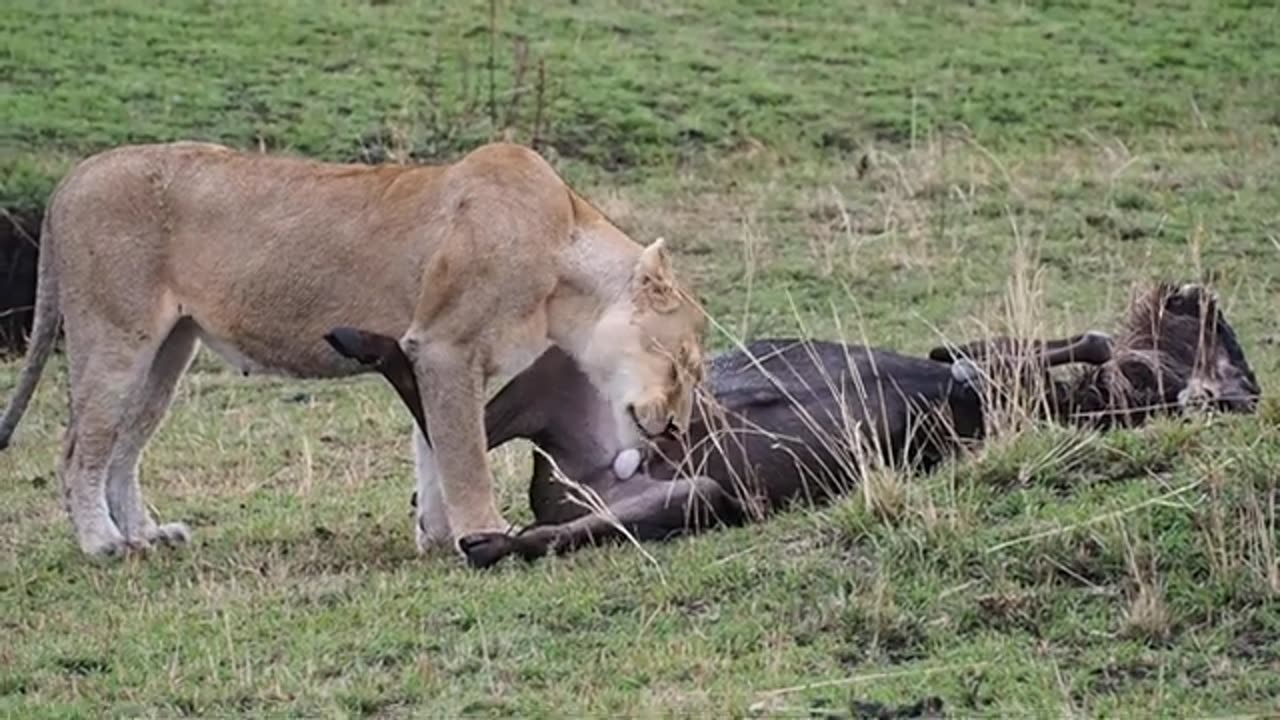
x=794, y=419
x=780, y=421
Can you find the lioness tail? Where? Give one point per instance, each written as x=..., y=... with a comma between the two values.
x=44, y=331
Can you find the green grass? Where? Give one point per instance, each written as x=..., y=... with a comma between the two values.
x=873, y=172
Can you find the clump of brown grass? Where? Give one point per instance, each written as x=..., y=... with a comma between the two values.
x=1238, y=527
x=909, y=201
x=428, y=126
x=1148, y=615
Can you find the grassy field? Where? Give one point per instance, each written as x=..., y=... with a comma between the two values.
x=890, y=172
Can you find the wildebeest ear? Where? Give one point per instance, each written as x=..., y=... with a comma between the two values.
x=1191, y=300
x=944, y=354
x=653, y=284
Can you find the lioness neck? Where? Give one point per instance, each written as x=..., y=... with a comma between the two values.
x=596, y=268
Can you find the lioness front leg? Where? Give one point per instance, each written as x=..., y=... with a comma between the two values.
x=451, y=381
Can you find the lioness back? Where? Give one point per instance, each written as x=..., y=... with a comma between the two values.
x=265, y=254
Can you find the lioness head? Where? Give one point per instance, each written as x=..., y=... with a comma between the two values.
x=645, y=353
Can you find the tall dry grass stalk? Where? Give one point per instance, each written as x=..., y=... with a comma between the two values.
x=1238, y=529
x=857, y=448
x=431, y=122
x=587, y=498
x=1148, y=615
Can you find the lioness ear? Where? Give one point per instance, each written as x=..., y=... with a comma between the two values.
x=653, y=284
x=654, y=258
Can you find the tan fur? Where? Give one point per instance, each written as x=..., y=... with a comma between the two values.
x=477, y=266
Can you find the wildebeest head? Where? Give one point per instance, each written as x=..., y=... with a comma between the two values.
x=1177, y=339
x=1174, y=350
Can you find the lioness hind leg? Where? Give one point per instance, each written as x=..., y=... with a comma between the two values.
x=86, y=450
x=99, y=393
x=152, y=399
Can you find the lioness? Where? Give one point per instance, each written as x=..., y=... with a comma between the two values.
x=477, y=267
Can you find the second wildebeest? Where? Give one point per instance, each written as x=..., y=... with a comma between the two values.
x=19, y=246
x=795, y=420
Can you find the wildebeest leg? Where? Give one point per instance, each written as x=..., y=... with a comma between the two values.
x=1093, y=348
x=382, y=353
x=516, y=411
x=656, y=510
x=512, y=413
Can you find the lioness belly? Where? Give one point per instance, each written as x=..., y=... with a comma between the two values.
x=273, y=364
x=266, y=276
x=259, y=333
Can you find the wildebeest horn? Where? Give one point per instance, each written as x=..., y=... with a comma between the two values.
x=1093, y=347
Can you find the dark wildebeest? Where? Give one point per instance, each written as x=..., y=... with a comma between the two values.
x=793, y=420
x=19, y=243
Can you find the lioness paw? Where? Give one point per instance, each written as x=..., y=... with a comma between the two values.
x=172, y=534
x=431, y=537
x=104, y=546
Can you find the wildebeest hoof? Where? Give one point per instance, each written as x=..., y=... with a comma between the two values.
x=1095, y=347
x=944, y=354
x=354, y=344
x=486, y=549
